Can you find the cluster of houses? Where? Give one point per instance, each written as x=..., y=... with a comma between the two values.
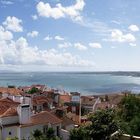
x=25, y=109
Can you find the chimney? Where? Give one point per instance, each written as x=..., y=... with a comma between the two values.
x=24, y=113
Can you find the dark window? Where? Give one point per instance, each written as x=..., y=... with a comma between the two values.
x=34, y=108
x=90, y=99
x=57, y=131
x=45, y=128
x=10, y=133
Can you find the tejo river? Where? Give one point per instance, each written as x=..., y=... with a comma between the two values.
x=86, y=82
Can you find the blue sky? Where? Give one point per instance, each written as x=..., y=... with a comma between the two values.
x=71, y=35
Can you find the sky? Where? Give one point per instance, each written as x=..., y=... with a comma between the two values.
x=70, y=35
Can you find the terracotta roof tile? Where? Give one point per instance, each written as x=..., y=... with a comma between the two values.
x=45, y=117
x=38, y=100
x=65, y=98
x=66, y=121
x=6, y=103
x=12, y=111
x=12, y=91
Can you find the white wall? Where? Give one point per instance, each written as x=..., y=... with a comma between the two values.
x=24, y=113
x=55, y=128
x=25, y=132
x=69, y=127
x=64, y=134
x=20, y=132
x=7, y=130
x=56, y=98
x=9, y=120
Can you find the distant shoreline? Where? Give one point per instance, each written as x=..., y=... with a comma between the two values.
x=87, y=83
x=115, y=73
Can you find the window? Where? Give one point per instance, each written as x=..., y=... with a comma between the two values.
x=10, y=133
x=40, y=108
x=73, y=109
x=34, y=108
x=57, y=128
x=90, y=99
x=45, y=128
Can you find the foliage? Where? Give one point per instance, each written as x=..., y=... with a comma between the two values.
x=83, y=111
x=129, y=114
x=38, y=135
x=33, y=90
x=102, y=126
x=50, y=133
x=15, y=138
x=80, y=133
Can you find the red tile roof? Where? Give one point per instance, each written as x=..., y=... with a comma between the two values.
x=7, y=103
x=11, y=91
x=45, y=117
x=12, y=111
x=40, y=87
x=65, y=98
x=39, y=100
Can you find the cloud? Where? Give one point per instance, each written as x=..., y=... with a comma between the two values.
x=113, y=47
x=33, y=34
x=6, y=2
x=64, y=45
x=58, y=38
x=133, y=28
x=59, y=11
x=13, y=24
x=116, y=22
x=5, y=35
x=77, y=45
x=95, y=45
x=19, y=52
x=133, y=44
x=47, y=38
x=34, y=17
x=118, y=36
x=80, y=46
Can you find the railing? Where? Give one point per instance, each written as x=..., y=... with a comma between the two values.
x=118, y=136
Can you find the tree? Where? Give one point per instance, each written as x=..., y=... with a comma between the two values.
x=80, y=133
x=15, y=138
x=33, y=90
x=50, y=133
x=37, y=135
x=129, y=114
x=103, y=124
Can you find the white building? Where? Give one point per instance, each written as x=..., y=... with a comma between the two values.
x=17, y=120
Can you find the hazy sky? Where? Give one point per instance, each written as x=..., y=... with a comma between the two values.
x=70, y=35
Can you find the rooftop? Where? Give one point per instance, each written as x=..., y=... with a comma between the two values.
x=11, y=91
x=7, y=103
x=38, y=100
